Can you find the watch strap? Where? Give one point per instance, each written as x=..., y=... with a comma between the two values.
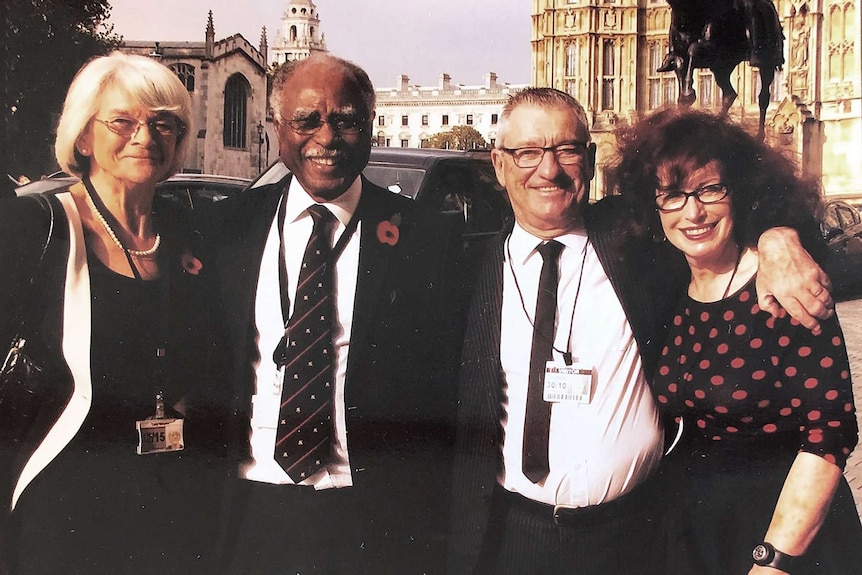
x=766, y=555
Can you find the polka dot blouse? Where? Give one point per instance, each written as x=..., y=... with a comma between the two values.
x=731, y=371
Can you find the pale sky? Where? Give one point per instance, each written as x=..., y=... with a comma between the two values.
x=419, y=38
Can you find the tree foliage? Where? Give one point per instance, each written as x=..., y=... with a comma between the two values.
x=457, y=138
x=44, y=43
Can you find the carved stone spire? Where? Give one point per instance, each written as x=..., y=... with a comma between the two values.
x=264, y=48
x=210, y=36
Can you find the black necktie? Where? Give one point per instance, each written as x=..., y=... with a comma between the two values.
x=305, y=428
x=537, y=424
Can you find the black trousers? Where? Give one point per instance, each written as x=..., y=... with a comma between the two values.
x=621, y=536
x=288, y=529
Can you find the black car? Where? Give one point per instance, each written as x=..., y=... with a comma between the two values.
x=196, y=193
x=459, y=184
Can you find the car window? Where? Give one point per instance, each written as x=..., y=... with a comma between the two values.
x=396, y=179
x=193, y=194
x=468, y=189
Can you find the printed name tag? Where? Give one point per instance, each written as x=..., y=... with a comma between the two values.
x=567, y=383
x=159, y=435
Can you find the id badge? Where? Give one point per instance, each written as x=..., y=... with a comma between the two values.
x=567, y=383
x=160, y=434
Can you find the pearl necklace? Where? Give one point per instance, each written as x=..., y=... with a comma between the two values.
x=117, y=242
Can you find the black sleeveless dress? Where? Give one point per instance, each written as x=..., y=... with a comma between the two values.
x=99, y=507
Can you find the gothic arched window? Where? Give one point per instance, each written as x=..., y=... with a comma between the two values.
x=186, y=74
x=608, y=75
x=236, y=92
x=572, y=59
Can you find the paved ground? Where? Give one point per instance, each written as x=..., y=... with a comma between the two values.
x=850, y=315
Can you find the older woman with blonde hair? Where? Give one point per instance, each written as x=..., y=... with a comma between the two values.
x=106, y=463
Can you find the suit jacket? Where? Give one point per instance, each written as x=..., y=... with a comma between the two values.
x=398, y=393
x=633, y=268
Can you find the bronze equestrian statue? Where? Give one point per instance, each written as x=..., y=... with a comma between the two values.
x=718, y=35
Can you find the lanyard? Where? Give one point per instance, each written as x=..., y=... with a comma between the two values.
x=334, y=255
x=567, y=355
x=164, y=279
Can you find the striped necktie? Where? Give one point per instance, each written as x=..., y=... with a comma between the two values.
x=305, y=428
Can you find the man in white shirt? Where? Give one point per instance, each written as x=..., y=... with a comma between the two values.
x=558, y=439
x=332, y=291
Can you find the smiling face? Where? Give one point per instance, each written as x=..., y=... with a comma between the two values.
x=546, y=199
x=703, y=232
x=142, y=159
x=327, y=161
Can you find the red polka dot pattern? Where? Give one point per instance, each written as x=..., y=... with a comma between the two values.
x=733, y=370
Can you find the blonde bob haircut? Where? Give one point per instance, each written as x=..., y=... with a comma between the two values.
x=148, y=83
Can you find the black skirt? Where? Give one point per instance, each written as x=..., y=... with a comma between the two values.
x=720, y=501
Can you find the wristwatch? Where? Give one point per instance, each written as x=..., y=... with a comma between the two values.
x=766, y=555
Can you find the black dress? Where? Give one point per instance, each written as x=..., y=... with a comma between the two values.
x=752, y=392
x=99, y=507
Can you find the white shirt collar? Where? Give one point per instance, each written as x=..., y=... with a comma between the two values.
x=343, y=207
x=522, y=244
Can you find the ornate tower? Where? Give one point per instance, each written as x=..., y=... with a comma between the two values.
x=300, y=35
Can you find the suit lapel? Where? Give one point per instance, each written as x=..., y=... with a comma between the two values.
x=374, y=263
x=238, y=262
x=631, y=286
x=482, y=344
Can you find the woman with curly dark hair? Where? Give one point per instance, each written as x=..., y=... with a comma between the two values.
x=765, y=407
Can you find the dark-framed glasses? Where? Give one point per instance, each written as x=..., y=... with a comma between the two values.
x=566, y=154
x=675, y=200
x=342, y=123
x=127, y=127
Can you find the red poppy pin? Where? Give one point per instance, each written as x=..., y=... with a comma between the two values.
x=191, y=264
x=387, y=230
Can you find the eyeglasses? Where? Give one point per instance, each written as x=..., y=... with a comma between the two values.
x=566, y=154
x=341, y=123
x=675, y=200
x=126, y=127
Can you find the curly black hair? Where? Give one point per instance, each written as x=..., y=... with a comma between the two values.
x=764, y=188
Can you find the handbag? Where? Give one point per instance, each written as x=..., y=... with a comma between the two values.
x=19, y=370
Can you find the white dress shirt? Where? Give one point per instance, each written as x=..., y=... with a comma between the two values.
x=599, y=450
x=270, y=329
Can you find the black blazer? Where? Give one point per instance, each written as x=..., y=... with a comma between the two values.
x=399, y=389
x=634, y=269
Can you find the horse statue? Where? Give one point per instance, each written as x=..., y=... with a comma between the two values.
x=718, y=35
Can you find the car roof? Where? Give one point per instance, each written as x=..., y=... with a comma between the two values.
x=57, y=183
x=48, y=184
x=209, y=178
x=420, y=157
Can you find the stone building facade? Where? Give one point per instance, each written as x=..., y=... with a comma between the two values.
x=605, y=53
x=408, y=115
x=227, y=82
